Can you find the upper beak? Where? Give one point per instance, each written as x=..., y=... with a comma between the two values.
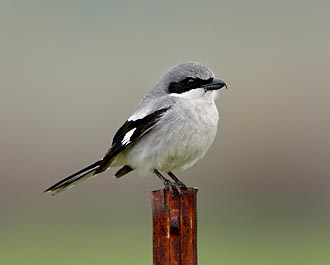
x=215, y=84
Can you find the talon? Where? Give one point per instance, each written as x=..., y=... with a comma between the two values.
x=177, y=181
x=182, y=185
x=178, y=189
x=171, y=186
x=168, y=185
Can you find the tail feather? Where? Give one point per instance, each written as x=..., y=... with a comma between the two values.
x=75, y=178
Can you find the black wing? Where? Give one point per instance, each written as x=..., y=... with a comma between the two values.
x=127, y=134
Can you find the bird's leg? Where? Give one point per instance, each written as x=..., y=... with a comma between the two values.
x=177, y=180
x=168, y=184
x=178, y=183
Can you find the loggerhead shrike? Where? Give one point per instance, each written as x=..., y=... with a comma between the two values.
x=171, y=128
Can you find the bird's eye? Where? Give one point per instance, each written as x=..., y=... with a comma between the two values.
x=191, y=81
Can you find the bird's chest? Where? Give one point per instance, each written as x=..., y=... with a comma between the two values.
x=190, y=136
x=197, y=126
x=202, y=117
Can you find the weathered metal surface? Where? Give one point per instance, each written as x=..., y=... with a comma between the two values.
x=174, y=227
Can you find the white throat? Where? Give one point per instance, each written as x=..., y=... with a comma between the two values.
x=198, y=93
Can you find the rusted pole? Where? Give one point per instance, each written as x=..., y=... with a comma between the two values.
x=174, y=227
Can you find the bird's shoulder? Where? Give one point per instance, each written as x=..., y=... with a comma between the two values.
x=150, y=105
x=135, y=128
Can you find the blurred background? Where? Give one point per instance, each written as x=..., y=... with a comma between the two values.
x=71, y=72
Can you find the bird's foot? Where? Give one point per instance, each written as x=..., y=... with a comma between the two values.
x=181, y=184
x=174, y=187
x=177, y=181
x=171, y=186
x=168, y=185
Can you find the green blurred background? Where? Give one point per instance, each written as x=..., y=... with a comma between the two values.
x=72, y=71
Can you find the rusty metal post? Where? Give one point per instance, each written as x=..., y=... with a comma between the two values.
x=174, y=227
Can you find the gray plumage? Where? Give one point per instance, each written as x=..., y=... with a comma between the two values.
x=171, y=128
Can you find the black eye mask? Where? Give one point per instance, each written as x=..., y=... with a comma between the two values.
x=187, y=84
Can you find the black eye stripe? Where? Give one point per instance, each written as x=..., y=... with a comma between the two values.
x=187, y=84
x=189, y=80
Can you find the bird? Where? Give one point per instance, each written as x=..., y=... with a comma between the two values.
x=171, y=128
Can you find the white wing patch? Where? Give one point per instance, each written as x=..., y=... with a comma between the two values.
x=138, y=115
x=127, y=137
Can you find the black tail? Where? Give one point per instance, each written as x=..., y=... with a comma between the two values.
x=75, y=178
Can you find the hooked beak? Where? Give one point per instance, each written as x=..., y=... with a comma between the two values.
x=215, y=85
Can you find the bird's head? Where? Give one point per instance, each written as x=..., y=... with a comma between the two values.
x=191, y=80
